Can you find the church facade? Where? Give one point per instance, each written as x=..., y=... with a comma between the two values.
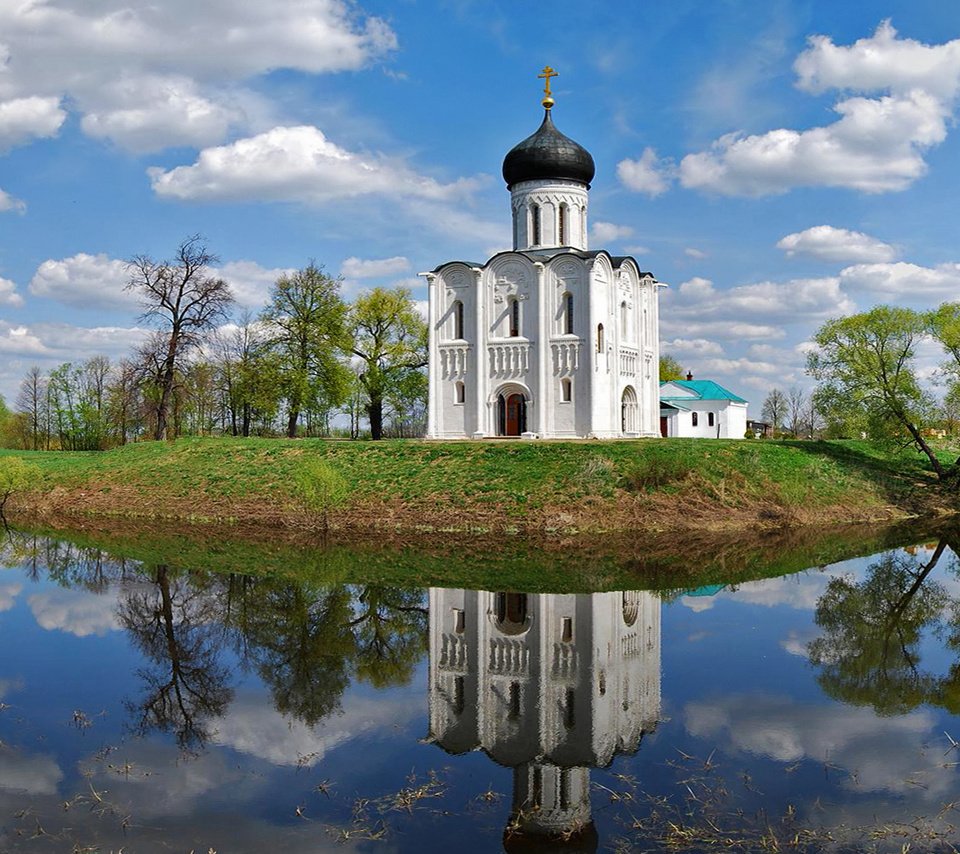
x=551, y=339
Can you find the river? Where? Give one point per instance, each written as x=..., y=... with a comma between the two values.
x=148, y=707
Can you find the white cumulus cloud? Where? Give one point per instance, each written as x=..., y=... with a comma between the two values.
x=9, y=203
x=297, y=164
x=85, y=281
x=607, y=232
x=359, y=268
x=878, y=143
x=692, y=346
x=8, y=293
x=827, y=243
x=903, y=281
x=649, y=174
x=23, y=119
x=111, y=60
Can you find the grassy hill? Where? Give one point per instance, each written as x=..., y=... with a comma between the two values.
x=494, y=486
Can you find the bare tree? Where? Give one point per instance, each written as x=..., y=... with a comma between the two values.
x=184, y=302
x=797, y=410
x=775, y=409
x=32, y=403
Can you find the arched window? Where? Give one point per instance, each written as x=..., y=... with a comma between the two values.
x=458, y=319
x=583, y=227
x=514, y=317
x=562, y=225
x=600, y=338
x=535, y=224
x=694, y=419
x=624, y=322
x=567, y=303
x=710, y=419
x=566, y=390
x=459, y=393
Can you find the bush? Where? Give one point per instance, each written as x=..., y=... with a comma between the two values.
x=321, y=488
x=15, y=475
x=655, y=471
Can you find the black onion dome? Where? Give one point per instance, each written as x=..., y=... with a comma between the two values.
x=548, y=154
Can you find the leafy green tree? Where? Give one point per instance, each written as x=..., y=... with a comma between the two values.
x=304, y=323
x=185, y=303
x=670, y=369
x=248, y=377
x=944, y=325
x=865, y=365
x=15, y=475
x=388, y=335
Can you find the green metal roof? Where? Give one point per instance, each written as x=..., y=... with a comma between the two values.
x=704, y=389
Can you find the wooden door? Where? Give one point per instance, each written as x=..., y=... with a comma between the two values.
x=663, y=426
x=515, y=413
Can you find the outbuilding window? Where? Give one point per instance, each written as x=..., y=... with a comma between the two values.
x=693, y=418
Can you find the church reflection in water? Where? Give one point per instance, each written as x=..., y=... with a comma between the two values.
x=550, y=685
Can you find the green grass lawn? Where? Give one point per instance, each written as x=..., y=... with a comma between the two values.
x=515, y=477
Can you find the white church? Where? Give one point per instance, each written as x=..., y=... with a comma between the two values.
x=552, y=339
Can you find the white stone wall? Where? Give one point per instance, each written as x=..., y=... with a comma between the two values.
x=730, y=420
x=549, y=197
x=537, y=362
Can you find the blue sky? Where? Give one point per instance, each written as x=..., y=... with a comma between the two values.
x=777, y=163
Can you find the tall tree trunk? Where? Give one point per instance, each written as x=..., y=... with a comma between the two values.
x=375, y=414
x=292, y=423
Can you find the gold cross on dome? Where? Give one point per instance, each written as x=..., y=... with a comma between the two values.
x=545, y=75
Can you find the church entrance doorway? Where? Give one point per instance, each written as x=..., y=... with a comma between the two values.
x=512, y=414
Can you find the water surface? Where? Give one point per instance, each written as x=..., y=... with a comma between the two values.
x=158, y=708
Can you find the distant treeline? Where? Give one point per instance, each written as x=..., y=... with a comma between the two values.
x=306, y=359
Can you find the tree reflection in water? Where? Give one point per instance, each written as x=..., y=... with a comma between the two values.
x=176, y=627
x=870, y=652
x=305, y=643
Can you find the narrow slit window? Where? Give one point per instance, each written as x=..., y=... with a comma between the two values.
x=694, y=419
x=460, y=393
x=568, y=313
x=624, y=322
x=600, y=338
x=562, y=226
x=566, y=390
x=566, y=629
x=514, y=317
x=535, y=224
x=458, y=319
x=568, y=710
x=710, y=419
x=459, y=621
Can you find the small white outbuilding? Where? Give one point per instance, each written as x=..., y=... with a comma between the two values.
x=701, y=409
